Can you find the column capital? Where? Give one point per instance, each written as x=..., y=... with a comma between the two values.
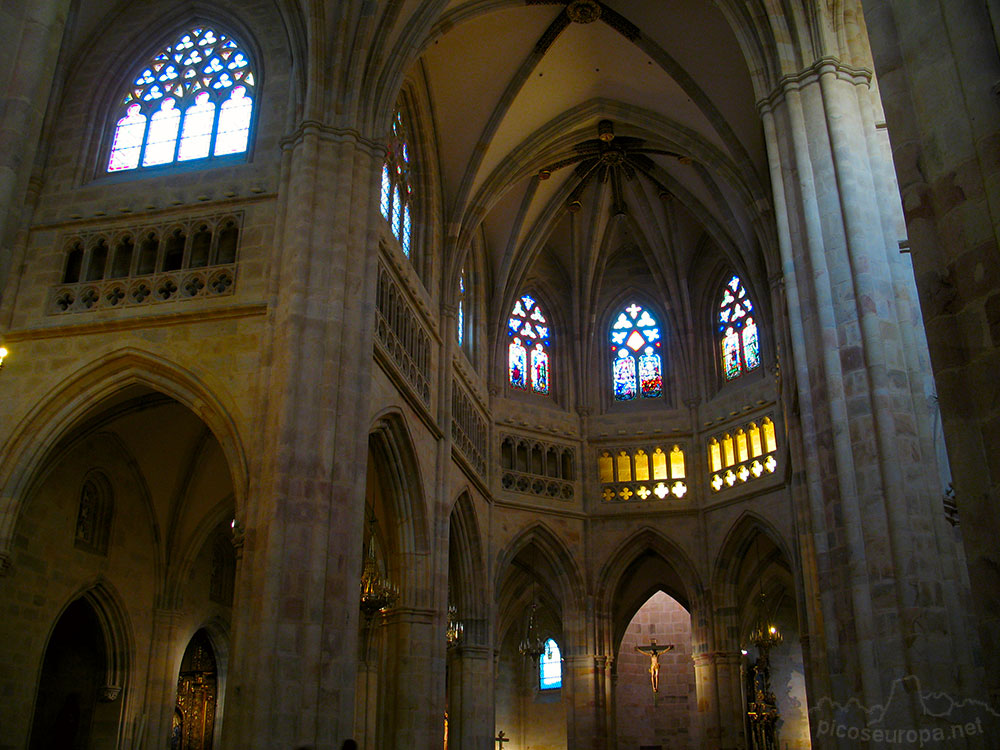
x=811, y=74
x=325, y=132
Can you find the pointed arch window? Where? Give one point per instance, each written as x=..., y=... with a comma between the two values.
x=191, y=100
x=550, y=666
x=94, y=514
x=736, y=327
x=396, y=200
x=637, y=367
x=528, y=351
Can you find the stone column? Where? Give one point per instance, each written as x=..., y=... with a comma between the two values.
x=410, y=715
x=31, y=34
x=941, y=108
x=470, y=704
x=875, y=517
x=587, y=710
x=161, y=682
x=720, y=700
x=295, y=646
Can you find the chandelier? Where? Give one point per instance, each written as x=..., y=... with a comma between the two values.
x=455, y=627
x=532, y=644
x=377, y=592
x=762, y=708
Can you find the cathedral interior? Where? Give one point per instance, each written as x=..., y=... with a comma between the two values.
x=499, y=374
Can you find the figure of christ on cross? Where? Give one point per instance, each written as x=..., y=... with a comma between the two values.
x=653, y=651
x=500, y=739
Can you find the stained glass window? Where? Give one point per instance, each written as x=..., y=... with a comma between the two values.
x=737, y=331
x=637, y=368
x=461, y=309
x=550, y=666
x=528, y=328
x=192, y=99
x=397, y=191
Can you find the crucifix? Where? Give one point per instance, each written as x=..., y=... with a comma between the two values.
x=500, y=739
x=653, y=651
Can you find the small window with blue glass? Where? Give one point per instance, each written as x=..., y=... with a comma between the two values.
x=550, y=667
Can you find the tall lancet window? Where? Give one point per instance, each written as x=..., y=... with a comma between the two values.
x=397, y=190
x=636, y=366
x=736, y=327
x=461, y=309
x=528, y=350
x=191, y=100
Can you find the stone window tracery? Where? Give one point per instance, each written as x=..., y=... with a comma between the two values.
x=396, y=201
x=636, y=367
x=193, y=99
x=528, y=367
x=736, y=330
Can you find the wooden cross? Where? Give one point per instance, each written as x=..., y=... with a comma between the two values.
x=500, y=739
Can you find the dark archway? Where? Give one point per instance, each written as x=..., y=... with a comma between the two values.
x=68, y=713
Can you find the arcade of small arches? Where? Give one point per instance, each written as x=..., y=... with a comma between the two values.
x=495, y=375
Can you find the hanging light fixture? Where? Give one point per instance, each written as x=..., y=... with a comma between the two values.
x=532, y=644
x=377, y=592
x=762, y=709
x=455, y=626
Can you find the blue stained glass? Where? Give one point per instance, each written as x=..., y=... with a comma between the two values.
x=731, y=354
x=624, y=373
x=386, y=192
x=623, y=322
x=751, y=346
x=520, y=327
x=550, y=667
x=618, y=338
x=539, y=370
x=405, y=239
x=517, y=364
x=461, y=322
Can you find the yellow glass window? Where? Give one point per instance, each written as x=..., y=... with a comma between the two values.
x=755, y=449
x=727, y=450
x=770, y=442
x=624, y=467
x=641, y=466
x=606, y=467
x=715, y=455
x=741, y=446
x=677, y=462
x=659, y=464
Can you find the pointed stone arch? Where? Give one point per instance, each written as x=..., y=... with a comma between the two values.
x=466, y=571
x=116, y=629
x=688, y=588
x=732, y=553
x=39, y=431
x=390, y=446
x=560, y=573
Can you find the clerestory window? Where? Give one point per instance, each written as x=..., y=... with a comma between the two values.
x=191, y=100
x=736, y=330
x=636, y=365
